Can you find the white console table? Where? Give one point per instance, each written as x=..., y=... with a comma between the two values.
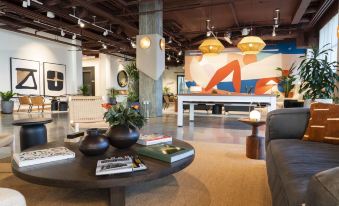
x=192, y=99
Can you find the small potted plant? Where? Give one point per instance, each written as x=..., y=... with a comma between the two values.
x=7, y=104
x=318, y=77
x=287, y=80
x=125, y=123
x=84, y=90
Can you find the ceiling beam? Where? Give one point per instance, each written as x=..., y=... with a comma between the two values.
x=83, y=32
x=234, y=14
x=325, y=5
x=107, y=15
x=300, y=11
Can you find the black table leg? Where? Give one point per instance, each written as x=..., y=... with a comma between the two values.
x=32, y=135
x=117, y=196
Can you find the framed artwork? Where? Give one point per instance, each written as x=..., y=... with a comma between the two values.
x=54, y=79
x=25, y=76
x=122, y=78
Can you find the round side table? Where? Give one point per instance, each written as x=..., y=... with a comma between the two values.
x=33, y=131
x=254, y=143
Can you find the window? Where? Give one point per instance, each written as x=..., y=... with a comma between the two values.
x=328, y=35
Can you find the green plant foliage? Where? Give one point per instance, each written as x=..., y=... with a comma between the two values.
x=112, y=93
x=84, y=90
x=132, y=71
x=287, y=81
x=132, y=97
x=166, y=90
x=318, y=80
x=6, y=96
x=121, y=115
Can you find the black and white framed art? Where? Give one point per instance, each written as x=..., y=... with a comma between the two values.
x=54, y=79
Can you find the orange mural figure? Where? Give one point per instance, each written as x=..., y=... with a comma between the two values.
x=223, y=72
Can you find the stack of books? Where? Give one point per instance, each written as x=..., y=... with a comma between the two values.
x=42, y=156
x=118, y=165
x=151, y=139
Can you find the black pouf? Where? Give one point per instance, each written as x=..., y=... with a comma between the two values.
x=217, y=109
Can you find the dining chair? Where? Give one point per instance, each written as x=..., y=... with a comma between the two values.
x=24, y=100
x=38, y=101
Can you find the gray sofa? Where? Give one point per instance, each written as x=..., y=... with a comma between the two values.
x=299, y=172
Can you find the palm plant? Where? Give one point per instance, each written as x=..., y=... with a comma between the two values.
x=317, y=75
x=287, y=80
x=7, y=96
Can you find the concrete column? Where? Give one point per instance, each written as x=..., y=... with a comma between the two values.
x=151, y=23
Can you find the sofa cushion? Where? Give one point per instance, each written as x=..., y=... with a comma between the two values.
x=297, y=161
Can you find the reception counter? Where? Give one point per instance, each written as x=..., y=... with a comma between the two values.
x=192, y=99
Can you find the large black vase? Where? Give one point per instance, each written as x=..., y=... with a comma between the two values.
x=94, y=143
x=122, y=136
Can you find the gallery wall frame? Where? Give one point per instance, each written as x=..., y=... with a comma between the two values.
x=25, y=76
x=54, y=79
x=122, y=78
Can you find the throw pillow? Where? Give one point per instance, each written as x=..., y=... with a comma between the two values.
x=332, y=125
x=317, y=123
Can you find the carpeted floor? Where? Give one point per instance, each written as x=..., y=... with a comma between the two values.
x=220, y=175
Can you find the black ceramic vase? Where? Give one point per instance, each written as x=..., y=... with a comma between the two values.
x=94, y=143
x=122, y=136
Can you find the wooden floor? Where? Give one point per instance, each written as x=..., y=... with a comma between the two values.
x=205, y=128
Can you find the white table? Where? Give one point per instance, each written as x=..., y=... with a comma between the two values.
x=192, y=99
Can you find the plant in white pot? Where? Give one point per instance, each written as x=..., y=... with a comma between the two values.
x=317, y=76
x=6, y=103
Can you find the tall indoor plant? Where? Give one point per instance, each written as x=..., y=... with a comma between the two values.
x=287, y=80
x=7, y=104
x=317, y=75
x=133, y=84
x=125, y=123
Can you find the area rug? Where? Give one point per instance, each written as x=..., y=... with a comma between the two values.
x=220, y=175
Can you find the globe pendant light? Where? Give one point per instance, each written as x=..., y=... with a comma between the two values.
x=211, y=46
x=251, y=45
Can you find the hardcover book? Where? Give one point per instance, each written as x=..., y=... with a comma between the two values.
x=166, y=152
x=117, y=165
x=151, y=139
x=42, y=156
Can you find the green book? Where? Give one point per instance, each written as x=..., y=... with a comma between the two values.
x=166, y=152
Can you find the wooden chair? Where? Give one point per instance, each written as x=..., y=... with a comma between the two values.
x=38, y=101
x=25, y=100
x=86, y=112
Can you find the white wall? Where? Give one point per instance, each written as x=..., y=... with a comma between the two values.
x=169, y=78
x=106, y=71
x=23, y=46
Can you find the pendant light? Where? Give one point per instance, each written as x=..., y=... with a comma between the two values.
x=211, y=46
x=251, y=45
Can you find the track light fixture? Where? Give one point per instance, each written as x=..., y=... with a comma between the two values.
x=81, y=24
x=62, y=33
x=104, y=46
x=74, y=36
x=24, y=4
x=178, y=60
x=105, y=33
x=169, y=58
x=133, y=44
x=180, y=53
x=170, y=40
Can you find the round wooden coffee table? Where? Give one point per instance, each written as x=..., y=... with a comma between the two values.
x=254, y=143
x=80, y=171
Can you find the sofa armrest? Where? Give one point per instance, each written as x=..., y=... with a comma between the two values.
x=288, y=123
x=323, y=188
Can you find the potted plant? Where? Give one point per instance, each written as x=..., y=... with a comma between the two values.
x=7, y=104
x=84, y=90
x=317, y=76
x=166, y=91
x=133, y=74
x=125, y=123
x=287, y=80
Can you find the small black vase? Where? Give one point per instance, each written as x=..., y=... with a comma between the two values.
x=94, y=143
x=122, y=136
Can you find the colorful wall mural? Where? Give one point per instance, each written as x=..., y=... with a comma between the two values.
x=234, y=72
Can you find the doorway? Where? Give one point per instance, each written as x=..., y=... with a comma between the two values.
x=88, y=76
